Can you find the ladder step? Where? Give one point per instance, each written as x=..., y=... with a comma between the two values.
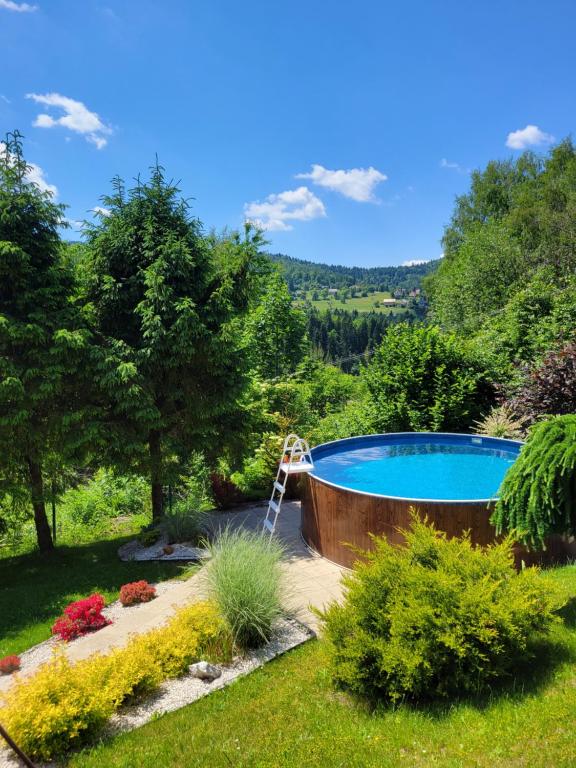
x=268, y=524
x=273, y=506
x=296, y=468
x=279, y=487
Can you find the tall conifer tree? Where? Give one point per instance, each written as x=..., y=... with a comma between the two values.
x=39, y=336
x=165, y=302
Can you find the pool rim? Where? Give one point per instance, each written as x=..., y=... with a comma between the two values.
x=415, y=499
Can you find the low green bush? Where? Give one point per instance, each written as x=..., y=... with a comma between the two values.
x=149, y=535
x=104, y=496
x=421, y=378
x=244, y=578
x=436, y=618
x=259, y=470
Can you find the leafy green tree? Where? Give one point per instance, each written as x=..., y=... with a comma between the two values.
x=517, y=223
x=276, y=331
x=491, y=197
x=423, y=379
x=41, y=343
x=166, y=303
x=478, y=278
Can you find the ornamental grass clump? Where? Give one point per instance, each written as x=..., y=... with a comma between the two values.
x=436, y=618
x=184, y=523
x=244, y=578
x=501, y=422
x=538, y=495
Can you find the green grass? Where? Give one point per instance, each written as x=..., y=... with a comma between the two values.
x=35, y=588
x=359, y=303
x=288, y=714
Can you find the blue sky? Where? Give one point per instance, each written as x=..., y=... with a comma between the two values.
x=345, y=128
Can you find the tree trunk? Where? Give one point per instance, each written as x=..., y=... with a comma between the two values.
x=155, y=449
x=45, y=543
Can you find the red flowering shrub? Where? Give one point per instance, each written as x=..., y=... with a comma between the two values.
x=9, y=664
x=225, y=493
x=137, y=592
x=81, y=617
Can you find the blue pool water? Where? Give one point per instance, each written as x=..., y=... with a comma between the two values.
x=418, y=465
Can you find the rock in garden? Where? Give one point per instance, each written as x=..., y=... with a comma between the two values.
x=205, y=671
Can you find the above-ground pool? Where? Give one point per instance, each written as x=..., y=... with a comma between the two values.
x=368, y=484
x=418, y=465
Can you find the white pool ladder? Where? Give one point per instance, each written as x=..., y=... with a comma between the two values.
x=296, y=458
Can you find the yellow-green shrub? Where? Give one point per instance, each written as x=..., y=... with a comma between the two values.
x=175, y=646
x=436, y=618
x=62, y=704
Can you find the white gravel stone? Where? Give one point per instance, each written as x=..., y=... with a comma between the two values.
x=134, y=550
x=203, y=670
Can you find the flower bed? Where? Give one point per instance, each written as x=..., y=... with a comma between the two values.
x=63, y=705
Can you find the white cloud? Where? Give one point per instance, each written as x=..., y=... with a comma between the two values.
x=531, y=136
x=77, y=117
x=356, y=183
x=278, y=209
x=99, y=209
x=453, y=166
x=35, y=175
x=448, y=164
x=414, y=262
x=10, y=5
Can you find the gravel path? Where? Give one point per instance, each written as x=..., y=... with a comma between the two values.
x=38, y=654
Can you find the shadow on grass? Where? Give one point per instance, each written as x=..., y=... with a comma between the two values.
x=532, y=675
x=34, y=588
x=568, y=613
x=536, y=671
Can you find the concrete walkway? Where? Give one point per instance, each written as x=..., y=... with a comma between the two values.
x=309, y=581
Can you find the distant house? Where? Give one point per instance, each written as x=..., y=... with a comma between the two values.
x=415, y=292
x=333, y=291
x=389, y=302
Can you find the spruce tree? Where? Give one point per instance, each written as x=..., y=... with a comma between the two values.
x=39, y=340
x=165, y=302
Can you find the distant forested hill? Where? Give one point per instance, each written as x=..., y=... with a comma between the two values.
x=307, y=275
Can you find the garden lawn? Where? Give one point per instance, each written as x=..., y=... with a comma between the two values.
x=288, y=714
x=35, y=588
